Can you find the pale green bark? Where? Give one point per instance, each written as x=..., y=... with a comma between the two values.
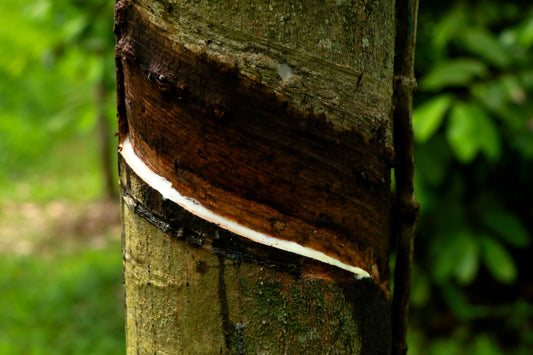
x=182, y=299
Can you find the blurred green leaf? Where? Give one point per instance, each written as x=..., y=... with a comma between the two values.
x=470, y=130
x=445, y=347
x=507, y=226
x=483, y=345
x=491, y=94
x=467, y=258
x=461, y=133
x=478, y=53
x=453, y=73
x=432, y=160
x=447, y=28
x=487, y=133
x=423, y=196
x=443, y=256
x=514, y=90
x=483, y=43
x=525, y=33
x=498, y=260
x=420, y=288
x=428, y=117
x=456, y=254
x=459, y=302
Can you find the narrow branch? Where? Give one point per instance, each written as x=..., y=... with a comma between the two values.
x=406, y=207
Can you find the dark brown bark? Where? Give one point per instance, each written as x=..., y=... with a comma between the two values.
x=253, y=156
x=219, y=293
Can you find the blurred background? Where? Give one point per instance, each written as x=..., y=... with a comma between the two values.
x=473, y=286
x=60, y=251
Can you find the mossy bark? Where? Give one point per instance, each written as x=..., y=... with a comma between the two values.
x=274, y=114
x=188, y=292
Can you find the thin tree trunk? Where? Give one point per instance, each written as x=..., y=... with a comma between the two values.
x=406, y=207
x=256, y=149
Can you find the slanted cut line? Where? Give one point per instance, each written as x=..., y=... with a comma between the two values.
x=167, y=191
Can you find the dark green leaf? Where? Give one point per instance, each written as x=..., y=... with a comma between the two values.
x=432, y=160
x=483, y=345
x=443, y=256
x=487, y=133
x=460, y=304
x=507, y=226
x=455, y=254
x=420, y=288
x=498, y=261
x=447, y=28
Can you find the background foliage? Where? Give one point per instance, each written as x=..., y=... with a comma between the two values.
x=61, y=265
x=473, y=124
x=472, y=288
x=55, y=60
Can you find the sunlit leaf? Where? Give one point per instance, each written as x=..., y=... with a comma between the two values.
x=461, y=133
x=471, y=130
x=484, y=44
x=507, y=226
x=453, y=73
x=498, y=260
x=525, y=33
x=428, y=117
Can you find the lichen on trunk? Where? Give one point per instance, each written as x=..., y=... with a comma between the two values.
x=192, y=292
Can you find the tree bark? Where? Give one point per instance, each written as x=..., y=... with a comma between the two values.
x=255, y=172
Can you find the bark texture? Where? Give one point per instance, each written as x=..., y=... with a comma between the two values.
x=275, y=115
x=192, y=288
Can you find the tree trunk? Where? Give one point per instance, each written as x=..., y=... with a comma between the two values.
x=256, y=149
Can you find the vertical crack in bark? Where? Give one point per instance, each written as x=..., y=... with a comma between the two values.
x=223, y=299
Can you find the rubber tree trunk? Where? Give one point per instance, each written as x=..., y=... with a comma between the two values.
x=255, y=155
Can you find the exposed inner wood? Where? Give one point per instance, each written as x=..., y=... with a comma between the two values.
x=247, y=153
x=168, y=192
